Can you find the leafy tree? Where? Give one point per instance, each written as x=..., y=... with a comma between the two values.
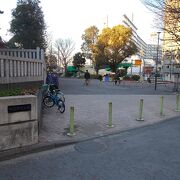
x=167, y=16
x=99, y=55
x=89, y=38
x=28, y=25
x=79, y=60
x=117, y=44
x=65, y=47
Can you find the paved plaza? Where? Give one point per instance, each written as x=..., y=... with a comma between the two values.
x=91, y=108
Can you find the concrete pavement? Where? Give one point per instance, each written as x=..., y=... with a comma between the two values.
x=91, y=115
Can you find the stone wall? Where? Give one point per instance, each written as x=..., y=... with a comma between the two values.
x=18, y=121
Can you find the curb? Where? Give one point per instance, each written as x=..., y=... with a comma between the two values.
x=18, y=152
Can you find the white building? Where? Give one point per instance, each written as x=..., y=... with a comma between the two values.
x=141, y=45
x=151, y=52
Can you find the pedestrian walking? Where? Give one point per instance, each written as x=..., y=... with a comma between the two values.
x=87, y=77
x=116, y=78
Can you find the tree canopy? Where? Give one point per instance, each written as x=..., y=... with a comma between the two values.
x=79, y=60
x=89, y=38
x=118, y=44
x=99, y=57
x=110, y=47
x=27, y=25
x=167, y=16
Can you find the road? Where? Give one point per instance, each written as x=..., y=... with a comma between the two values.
x=148, y=153
x=77, y=87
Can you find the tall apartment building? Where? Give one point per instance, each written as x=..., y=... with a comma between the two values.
x=141, y=45
x=151, y=52
x=171, y=46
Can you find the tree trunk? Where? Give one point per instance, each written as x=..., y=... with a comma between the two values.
x=65, y=70
x=97, y=71
x=113, y=65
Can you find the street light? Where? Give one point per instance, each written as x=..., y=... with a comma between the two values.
x=158, y=33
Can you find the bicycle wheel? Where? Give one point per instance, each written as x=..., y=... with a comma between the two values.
x=61, y=106
x=60, y=95
x=62, y=98
x=48, y=101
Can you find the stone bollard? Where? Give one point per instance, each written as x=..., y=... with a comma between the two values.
x=71, y=127
x=141, y=104
x=110, y=125
x=177, y=103
x=161, y=106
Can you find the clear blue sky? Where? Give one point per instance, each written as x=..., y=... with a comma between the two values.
x=69, y=18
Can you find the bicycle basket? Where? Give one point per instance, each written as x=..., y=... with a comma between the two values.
x=52, y=87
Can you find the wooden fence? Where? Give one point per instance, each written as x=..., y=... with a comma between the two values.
x=22, y=65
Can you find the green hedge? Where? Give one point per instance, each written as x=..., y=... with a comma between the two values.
x=135, y=77
x=18, y=92
x=132, y=78
x=10, y=92
x=94, y=76
x=128, y=78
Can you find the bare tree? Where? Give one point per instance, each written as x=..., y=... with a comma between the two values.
x=167, y=17
x=50, y=54
x=65, y=47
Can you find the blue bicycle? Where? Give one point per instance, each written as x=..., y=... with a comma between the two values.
x=52, y=99
x=52, y=89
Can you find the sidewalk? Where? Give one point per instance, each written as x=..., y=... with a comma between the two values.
x=91, y=119
x=91, y=115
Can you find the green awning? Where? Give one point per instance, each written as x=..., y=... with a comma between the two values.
x=71, y=69
x=108, y=69
x=124, y=65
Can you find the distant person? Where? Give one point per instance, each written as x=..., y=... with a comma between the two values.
x=106, y=78
x=148, y=79
x=116, y=78
x=119, y=78
x=87, y=77
x=100, y=77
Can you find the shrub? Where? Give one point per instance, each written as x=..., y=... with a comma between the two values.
x=18, y=92
x=69, y=74
x=10, y=92
x=135, y=77
x=128, y=78
x=94, y=76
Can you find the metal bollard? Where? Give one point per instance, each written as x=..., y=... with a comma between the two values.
x=161, y=106
x=71, y=128
x=110, y=116
x=177, y=103
x=141, y=104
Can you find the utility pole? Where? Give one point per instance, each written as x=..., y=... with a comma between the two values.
x=157, y=58
x=1, y=12
x=107, y=21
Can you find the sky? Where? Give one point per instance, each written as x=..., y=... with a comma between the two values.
x=69, y=18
